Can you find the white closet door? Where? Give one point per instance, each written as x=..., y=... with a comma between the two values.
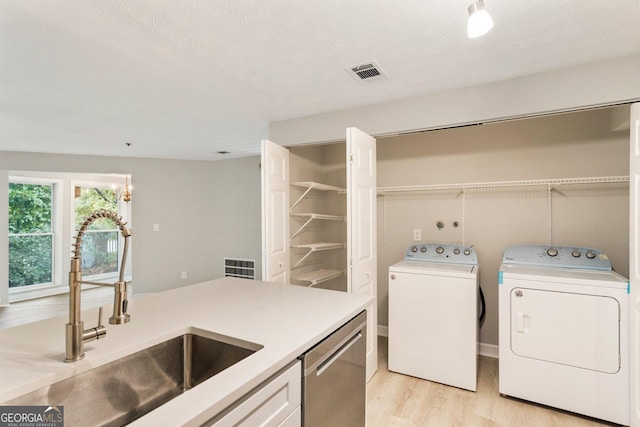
x=361, y=231
x=275, y=213
x=634, y=263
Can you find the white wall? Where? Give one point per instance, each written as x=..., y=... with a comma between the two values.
x=206, y=211
x=561, y=146
x=601, y=83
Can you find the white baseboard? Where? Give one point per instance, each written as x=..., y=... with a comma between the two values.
x=488, y=350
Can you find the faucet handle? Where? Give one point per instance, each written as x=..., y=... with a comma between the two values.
x=100, y=330
x=94, y=333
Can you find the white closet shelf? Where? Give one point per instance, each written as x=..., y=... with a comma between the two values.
x=316, y=186
x=310, y=217
x=310, y=185
x=316, y=247
x=319, y=276
x=320, y=216
x=541, y=184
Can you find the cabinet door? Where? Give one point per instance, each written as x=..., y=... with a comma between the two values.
x=275, y=403
x=361, y=231
x=275, y=213
x=634, y=261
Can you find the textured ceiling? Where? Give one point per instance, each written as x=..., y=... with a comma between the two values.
x=185, y=79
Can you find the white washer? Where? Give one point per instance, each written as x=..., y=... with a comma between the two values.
x=433, y=314
x=563, y=321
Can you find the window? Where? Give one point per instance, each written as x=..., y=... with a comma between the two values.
x=31, y=234
x=43, y=211
x=100, y=242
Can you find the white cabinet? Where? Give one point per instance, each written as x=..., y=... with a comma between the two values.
x=275, y=403
x=319, y=219
x=293, y=420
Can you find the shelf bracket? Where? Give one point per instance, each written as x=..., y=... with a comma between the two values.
x=300, y=198
x=303, y=258
x=301, y=228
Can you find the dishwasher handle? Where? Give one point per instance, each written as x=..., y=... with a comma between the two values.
x=332, y=344
x=323, y=366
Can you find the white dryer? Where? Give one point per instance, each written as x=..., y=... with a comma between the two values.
x=563, y=330
x=433, y=314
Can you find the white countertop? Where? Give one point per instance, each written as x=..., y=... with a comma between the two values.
x=287, y=320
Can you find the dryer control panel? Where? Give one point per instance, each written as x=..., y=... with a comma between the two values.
x=436, y=252
x=557, y=256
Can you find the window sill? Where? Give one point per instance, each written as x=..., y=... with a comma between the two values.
x=22, y=312
x=17, y=295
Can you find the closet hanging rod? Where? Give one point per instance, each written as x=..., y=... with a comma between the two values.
x=505, y=184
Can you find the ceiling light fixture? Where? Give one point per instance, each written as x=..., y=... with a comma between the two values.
x=124, y=193
x=480, y=22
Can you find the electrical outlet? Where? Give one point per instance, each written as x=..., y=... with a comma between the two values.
x=184, y=275
x=417, y=235
x=156, y=227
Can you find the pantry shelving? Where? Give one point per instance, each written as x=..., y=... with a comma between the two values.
x=316, y=247
x=314, y=216
x=311, y=185
x=318, y=276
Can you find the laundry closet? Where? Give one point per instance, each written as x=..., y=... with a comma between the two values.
x=470, y=179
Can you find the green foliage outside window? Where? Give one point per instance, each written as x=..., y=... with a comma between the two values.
x=100, y=243
x=30, y=234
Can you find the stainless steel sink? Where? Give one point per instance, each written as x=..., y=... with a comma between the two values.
x=123, y=390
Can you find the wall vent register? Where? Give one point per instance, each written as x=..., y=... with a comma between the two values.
x=243, y=268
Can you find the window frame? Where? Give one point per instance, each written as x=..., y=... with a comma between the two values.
x=120, y=209
x=63, y=212
x=57, y=285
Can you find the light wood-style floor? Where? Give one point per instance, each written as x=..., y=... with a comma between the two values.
x=395, y=400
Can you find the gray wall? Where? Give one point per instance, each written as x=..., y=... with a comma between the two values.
x=561, y=146
x=206, y=211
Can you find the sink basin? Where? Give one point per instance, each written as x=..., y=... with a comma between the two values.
x=125, y=389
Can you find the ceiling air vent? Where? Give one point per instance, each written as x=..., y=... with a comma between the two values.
x=366, y=72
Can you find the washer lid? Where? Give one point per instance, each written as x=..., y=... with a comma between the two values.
x=434, y=268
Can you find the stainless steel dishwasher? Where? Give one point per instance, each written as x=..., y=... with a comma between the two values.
x=334, y=378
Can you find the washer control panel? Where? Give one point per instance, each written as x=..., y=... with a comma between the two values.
x=557, y=256
x=436, y=252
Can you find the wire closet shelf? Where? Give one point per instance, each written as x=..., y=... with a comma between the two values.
x=558, y=185
x=534, y=184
